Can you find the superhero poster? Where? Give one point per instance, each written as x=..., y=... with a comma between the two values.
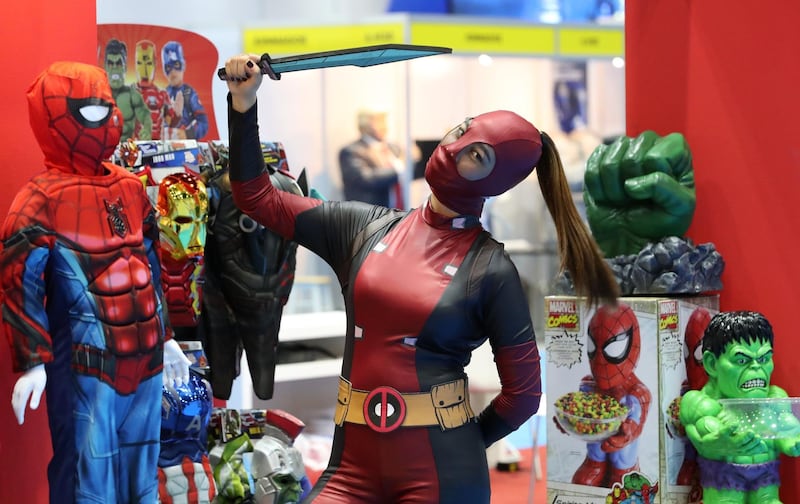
x=570, y=95
x=165, y=72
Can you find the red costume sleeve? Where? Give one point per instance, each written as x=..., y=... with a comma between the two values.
x=26, y=248
x=507, y=318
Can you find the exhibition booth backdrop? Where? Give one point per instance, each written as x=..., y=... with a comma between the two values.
x=494, y=65
x=723, y=73
x=691, y=67
x=313, y=113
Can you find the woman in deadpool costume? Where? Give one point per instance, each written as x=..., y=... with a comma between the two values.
x=423, y=288
x=81, y=297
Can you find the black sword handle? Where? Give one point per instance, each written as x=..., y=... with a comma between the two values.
x=265, y=64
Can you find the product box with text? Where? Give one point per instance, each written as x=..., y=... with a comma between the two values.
x=612, y=375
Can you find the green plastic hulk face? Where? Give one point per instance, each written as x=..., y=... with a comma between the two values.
x=743, y=370
x=287, y=487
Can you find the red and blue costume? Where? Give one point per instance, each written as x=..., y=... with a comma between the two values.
x=80, y=277
x=184, y=471
x=421, y=294
x=613, y=347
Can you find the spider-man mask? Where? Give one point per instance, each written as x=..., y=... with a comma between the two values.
x=517, y=145
x=74, y=117
x=693, y=348
x=613, y=345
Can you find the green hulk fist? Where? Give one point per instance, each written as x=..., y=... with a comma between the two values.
x=638, y=191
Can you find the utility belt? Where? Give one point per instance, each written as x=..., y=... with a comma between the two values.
x=384, y=409
x=123, y=373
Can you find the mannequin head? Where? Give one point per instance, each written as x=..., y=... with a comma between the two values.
x=74, y=118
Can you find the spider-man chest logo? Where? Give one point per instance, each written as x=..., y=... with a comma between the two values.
x=613, y=345
x=74, y=117
x=117, y=218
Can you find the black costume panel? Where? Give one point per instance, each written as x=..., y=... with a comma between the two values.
x=250, y=273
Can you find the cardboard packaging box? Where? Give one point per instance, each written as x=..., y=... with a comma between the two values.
x=634, y=365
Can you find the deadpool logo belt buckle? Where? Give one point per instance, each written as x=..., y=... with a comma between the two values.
x=384, y=409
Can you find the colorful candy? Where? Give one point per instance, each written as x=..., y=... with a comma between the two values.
x=589, y=414
x=674, y=418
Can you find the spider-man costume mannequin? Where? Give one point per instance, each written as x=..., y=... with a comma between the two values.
x=613, y=346
x=249, y=277
x=696, y=377
x=183, y=205
x=82, y=300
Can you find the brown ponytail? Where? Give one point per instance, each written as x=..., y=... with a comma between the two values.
x=580, y=255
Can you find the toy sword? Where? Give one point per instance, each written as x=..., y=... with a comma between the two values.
x=358, y=56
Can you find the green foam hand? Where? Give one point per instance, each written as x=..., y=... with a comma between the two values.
x=639, y=190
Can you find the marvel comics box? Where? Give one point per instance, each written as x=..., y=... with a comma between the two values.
x=615, y=376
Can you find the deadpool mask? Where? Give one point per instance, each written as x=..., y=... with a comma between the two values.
x=517, y=146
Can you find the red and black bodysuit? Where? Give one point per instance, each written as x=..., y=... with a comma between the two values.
x=420, y=294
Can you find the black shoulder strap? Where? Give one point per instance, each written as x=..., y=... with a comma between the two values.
x=485, y=249
x=361, y=238
x=372, y=228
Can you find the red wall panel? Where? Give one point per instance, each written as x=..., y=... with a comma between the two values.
x=35, y=33
x=725, y=74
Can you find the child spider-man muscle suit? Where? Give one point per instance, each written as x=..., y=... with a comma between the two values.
x=427, y=287
x=81, y=297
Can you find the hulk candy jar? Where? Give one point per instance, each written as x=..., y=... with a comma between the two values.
x=738, y=458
